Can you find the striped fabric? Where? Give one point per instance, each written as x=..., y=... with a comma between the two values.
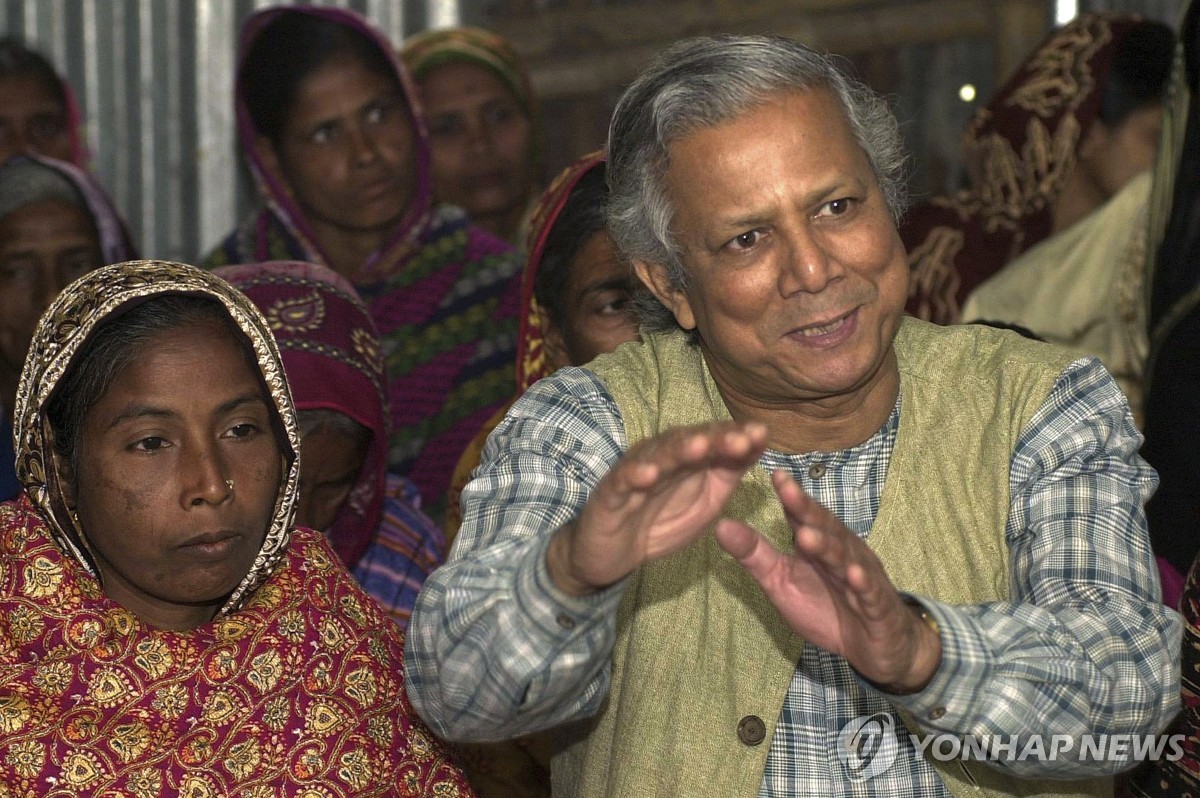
x=405, y=551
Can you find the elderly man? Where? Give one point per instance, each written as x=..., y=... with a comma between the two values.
x=772, y=548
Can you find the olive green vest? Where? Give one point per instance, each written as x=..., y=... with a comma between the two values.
x=699, y=647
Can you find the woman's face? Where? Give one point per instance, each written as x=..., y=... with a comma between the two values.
x=347, y=149
x=32, y=119
x=596, y=305
x=43, y=246
x=481, y=141
x=178, y=473
x=329, y=465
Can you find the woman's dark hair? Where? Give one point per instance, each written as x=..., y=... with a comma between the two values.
x=582, y=216
x=288, y=50
x=1141, y=67
x=18, y=61
x=114, y=345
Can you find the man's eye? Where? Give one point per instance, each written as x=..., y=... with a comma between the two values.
x=837, y=207
x=746, y=240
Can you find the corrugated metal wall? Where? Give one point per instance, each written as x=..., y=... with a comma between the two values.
x=154, y=80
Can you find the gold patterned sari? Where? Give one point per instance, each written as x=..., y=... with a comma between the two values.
x=296, y=687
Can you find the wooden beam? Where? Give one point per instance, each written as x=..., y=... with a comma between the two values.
x=582, y=51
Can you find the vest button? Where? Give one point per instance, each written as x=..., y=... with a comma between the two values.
x=816, y=470
x=751, y=730
x=565, y=621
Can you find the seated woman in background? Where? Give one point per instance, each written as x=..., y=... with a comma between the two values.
x=56, y=223
x=1083, y=285
x=484, y=126
x=576, y=294
x=333, y=135
x=1052, y=146
x=331, y=356
x=166, y=629
x=38, y=112
x=576, y=302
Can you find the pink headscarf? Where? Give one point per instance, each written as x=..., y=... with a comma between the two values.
x=331, y=357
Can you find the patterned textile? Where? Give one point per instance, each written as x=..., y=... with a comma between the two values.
x=298, y=693
x=10, y=486
x=425, y=51
x=1019, y=149
x=442, y=293
x=406, y=550
x=1181, y=779
x=331, y=356
x=296, y=688
x=531, y=339
x=115, y=247
x=1010, y=666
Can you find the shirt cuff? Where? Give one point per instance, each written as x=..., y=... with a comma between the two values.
x=950, y=702
x=555, y=616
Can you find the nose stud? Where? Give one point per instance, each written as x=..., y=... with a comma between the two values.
x=229, y=484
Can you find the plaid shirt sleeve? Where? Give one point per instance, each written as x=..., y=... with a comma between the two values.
x=494, y=650
x=1085, y=646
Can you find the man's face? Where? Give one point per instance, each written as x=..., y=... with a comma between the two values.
x=796, y=277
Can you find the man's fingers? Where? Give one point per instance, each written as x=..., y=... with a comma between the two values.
x=752, y=550
x=799, y=506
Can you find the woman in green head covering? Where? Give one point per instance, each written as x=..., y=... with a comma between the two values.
x=483, y=125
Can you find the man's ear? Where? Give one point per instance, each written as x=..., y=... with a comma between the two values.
x=655, y=277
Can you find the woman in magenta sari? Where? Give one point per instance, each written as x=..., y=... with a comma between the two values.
x=332, y=360
x=165, y=630
x=333, y=133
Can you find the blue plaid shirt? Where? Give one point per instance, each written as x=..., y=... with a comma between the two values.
x=1084, y=646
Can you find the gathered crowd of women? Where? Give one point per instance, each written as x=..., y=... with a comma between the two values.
x=223, y=485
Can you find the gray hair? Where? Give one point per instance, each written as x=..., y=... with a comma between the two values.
x=24, y=181
x=704, y=82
